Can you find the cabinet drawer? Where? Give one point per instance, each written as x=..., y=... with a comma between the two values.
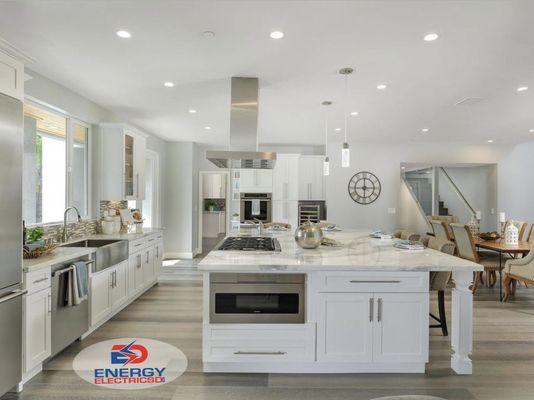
x=38, y=280
x=136, y=245
x=261, y=342
x=367, y=282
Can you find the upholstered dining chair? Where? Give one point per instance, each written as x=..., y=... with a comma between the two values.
x=441, y=231
x=518, y=269
x=406, y=235
x=465, y=246
x=439, y=280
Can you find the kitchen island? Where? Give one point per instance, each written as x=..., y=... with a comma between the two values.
x=361, y=307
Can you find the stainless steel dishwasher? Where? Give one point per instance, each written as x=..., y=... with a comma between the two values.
x=68, y=322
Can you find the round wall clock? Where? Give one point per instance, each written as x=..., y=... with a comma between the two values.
x=364, y=188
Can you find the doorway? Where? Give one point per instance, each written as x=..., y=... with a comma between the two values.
x=213, y=209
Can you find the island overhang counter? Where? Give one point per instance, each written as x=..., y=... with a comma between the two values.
x=365, y=308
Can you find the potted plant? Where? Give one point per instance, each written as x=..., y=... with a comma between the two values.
x=35, y=238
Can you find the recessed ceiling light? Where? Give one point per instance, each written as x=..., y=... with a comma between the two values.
x=425, y=130
x=430, y=37
x=381, y=86
x=124, y=34
x=490, y=141
x=192, y=111
x=168, y=84
x=337, y=129
x=354, y=113
x=208, y=34
x=207, y=128
x=531, y=130
x=276, y=35
x=522, y=88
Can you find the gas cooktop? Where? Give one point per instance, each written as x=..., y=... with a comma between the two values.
x=249, y=243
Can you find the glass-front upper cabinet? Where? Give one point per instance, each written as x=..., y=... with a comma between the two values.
x=129, y=146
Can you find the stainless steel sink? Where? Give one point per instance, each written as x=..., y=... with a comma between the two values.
x=107, y=252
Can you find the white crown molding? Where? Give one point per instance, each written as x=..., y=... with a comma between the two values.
x=14, y=52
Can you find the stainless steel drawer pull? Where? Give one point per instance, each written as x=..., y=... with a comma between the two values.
x=375, y=281
x=379, y=310
x=261, y=353
x=13, y=295
x=40, y=280
x=371, y=309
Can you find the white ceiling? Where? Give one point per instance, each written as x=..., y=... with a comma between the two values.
x=485, y=49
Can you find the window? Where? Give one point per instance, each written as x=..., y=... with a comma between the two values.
x=55, y=165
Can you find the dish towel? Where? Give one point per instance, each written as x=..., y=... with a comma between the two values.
x=77, y=284
x=255, y=207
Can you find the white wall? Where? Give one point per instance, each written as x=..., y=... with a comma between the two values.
x=384, y=161
x=516, y=183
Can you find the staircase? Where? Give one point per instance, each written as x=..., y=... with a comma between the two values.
x=442, y=209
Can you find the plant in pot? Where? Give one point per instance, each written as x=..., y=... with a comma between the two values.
x=35, y=238
x=209, y=205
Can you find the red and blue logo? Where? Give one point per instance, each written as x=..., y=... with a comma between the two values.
x=132, y=353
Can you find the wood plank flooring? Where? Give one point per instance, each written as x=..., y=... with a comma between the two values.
x=171, y=312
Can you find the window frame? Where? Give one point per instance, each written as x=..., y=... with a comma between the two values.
x=69, y=143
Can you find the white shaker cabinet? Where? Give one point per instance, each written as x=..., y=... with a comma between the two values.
x=256, y=180
x=213, y=186
x=286, y=177
x=123, y=152
x=100, y=296
x=11, y=76
x=286, y=212
x=119, y=285
x=344, y=327
x=37, y=322
x=311, y=178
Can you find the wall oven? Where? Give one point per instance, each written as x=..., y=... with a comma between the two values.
x=257, y=298
x=256, y=206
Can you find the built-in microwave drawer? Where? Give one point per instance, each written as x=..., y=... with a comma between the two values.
x=367, y=282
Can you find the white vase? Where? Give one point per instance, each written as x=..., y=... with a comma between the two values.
x=511, y=234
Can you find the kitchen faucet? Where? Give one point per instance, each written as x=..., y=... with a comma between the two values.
x=260, y=226
x=65, y=237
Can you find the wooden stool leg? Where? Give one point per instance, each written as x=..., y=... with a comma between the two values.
x=476, y=281
x=442, y=314
x=506, y=283
x=514, y=286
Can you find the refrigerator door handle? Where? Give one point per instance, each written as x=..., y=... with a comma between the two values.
x=12, y=295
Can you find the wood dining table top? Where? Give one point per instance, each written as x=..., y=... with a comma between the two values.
x=500, y=245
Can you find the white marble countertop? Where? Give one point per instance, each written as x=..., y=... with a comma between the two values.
x=359, y=252
x=62, y=254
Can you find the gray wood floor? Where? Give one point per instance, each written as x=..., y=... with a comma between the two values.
x=171, y=312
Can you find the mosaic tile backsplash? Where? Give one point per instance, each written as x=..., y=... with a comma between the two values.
x=74, y=230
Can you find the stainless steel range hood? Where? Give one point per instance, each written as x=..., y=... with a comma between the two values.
x=243, y=151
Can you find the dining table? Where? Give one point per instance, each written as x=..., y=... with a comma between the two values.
x=501, y=247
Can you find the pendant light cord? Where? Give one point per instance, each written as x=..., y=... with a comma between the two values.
x=346, y=108
x=326, y=133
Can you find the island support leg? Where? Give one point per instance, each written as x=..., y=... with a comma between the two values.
x=462, y=323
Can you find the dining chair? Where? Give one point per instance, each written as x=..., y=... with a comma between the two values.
x=406, y=235
x=439, y=280
x=465, y=246
x=441, y=231
x=518, y=269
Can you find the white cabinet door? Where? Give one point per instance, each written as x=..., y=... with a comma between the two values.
x=293, y=214
x=37, y=328
x=247, y=180
x=139, y=166
x=148, y=265
x=293, y=178
x=119, y=290
x=139, y=271
x=286, y=212
x=286, y=177
x=100, y=296
x=305, y=178
x=401, y=327
x=344, y=327
x=132, y=266
x=158, y=259
x=11, y=77
x=311, y=178
x=264, y=180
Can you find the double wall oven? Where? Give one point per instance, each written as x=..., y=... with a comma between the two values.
x=257, y=298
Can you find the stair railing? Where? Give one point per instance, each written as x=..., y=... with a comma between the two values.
x=458, y=191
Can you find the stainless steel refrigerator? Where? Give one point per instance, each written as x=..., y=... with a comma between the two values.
x=11, y=142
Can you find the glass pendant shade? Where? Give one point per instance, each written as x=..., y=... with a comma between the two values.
x=326, y=166
x=345, y=155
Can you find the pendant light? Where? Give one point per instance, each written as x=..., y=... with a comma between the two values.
x=326, y=163
x=345, y=152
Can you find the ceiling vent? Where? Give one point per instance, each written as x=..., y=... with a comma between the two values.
x=469, y=101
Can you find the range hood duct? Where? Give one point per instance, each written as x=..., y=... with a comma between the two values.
x=243, y=130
